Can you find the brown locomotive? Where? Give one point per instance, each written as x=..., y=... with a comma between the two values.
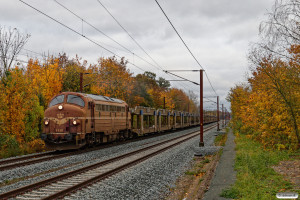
x=74, y=120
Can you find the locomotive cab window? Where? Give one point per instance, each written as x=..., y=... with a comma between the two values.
x=73, y=99
x=57, y=100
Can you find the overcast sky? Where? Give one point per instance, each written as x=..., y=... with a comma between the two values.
x=218, y=32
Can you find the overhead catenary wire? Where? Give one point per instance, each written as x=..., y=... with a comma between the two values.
x=81, y=34
x=135, y=41
x=28, y=50
x=78, y=33
x=157, y=66
x=128, y=33
x=209, y=100
x=97, y=29
x=185, y=45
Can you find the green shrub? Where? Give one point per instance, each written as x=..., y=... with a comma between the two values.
x=9, y=146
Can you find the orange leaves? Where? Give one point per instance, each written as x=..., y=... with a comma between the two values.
x=111, y=78
x=269, y=108
x=180, y=100
x=22, y=91
x=17, y=97
x=46, y=78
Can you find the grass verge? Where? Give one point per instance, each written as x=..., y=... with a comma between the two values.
x=255, y=177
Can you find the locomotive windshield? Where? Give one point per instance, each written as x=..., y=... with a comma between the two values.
x=57, y=100
x=75, y=100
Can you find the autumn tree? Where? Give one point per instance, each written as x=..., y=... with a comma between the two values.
x=150, y=92
x=276, y=79
x=71, y=76
x=142, y=84
x=110, y=78
x=46, y=78
x=11, y=43
x=268, y=108
x=163, y=83
x=278, y=32
x=179, y=99
x=21, y=114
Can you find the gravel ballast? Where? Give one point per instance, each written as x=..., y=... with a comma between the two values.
x=151, y=179
x=74, y=162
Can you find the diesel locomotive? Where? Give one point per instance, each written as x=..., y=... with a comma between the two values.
x=74, y=120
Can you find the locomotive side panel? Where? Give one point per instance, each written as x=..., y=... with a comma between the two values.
x=110, y=118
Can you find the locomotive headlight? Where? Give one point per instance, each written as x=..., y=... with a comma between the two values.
x=60, y=107
x=75, y=122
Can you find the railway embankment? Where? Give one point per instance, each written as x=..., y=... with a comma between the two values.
x=205, y=173
x=148, y=180
x=242, y=169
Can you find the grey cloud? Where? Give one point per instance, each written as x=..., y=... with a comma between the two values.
x=217, y=32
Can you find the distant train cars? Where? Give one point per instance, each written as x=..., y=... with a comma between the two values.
x=74, y=120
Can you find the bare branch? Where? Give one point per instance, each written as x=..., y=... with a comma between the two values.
x=11, y=43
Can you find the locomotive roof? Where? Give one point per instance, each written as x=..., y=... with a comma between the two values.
x=103, y=98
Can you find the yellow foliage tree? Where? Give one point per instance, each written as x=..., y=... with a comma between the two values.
x=111, y=78
x=269, y=109
x=46, y=78
x=19, y=110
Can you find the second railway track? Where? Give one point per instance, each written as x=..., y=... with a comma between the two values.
x=46, y=156
x=61, y=185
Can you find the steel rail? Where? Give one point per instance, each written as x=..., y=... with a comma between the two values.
x=2, y=162
x=105, y=175
x=29, y=162
x=15, y=165
x=40, y=184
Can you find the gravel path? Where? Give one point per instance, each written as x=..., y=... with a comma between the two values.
x=151, y=179
x=74, y=162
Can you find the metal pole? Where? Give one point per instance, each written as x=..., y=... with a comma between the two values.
x=201, y=143
x=218, y=119
x=164, y=102
x=223, y=118
x=81, y=80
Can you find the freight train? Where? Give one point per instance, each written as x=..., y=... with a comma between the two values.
x=75, y=120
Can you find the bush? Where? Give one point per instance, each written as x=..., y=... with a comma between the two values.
x=9, y=146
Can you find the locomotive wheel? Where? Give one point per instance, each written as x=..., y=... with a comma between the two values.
x=90, y=140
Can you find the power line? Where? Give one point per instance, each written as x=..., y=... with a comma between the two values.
x=128, y=33
x=185, y=44
x=182, y=78
x=97, y=29
x=40, y=54
x=78, y=33
x=133, y=38
x=210, y=100
x=83, y=20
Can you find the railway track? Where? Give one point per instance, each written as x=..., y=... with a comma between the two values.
x=64, y=184
x=28, y=160
x=24, y=158
x=42, y=157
